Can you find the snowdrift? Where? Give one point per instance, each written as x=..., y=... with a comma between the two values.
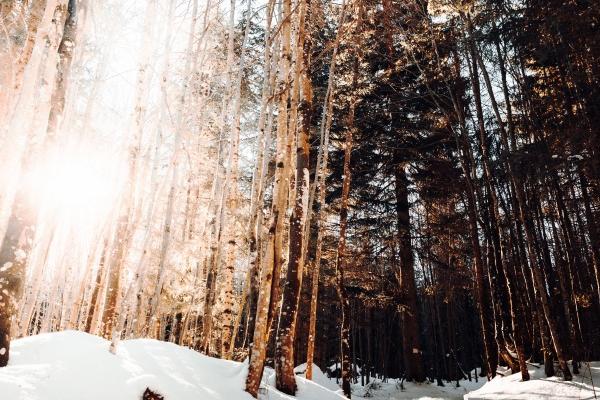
x=318, y=377
x=583, y=386
x=77, y=366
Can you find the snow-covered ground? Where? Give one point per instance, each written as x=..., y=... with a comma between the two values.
x=392, y=390
x=586, y=385
x=77, y=366
x=418, y=391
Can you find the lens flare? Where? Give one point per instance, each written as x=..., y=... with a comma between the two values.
x=80, y=183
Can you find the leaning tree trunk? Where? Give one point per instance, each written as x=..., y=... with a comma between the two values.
x=497, y=263
x=481, y=289
x=529, y=228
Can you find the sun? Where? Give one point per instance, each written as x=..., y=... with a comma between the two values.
x=78, y=182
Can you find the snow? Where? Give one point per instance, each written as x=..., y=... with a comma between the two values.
x=540, y=387
x=318, y=377
x=74, y=366
x=6, y=266
x=392, y=390
x=20, y=255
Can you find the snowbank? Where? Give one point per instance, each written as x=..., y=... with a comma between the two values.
x=540, y=387
x=318, y=377
x=77, y=366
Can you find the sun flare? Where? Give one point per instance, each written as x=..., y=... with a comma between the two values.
x=81, y=183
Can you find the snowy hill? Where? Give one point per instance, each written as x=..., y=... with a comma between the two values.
x=583, y=386
x=77, y=366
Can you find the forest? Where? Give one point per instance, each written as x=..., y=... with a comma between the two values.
x=381, y=192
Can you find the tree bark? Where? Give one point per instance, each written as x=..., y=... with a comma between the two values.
x=284, y=358
x=268, y=299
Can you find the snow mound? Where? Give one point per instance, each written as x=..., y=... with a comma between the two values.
x=77, y=366
x=586, y=385
x=318, y=377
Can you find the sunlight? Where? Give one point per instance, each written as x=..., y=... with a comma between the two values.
x=81, y=183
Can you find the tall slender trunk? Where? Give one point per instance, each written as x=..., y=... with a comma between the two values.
x=227, y=275
x=96, y=289
x=268, y=297
x=411, y=342
x=319, y=181
x=65, y=57
x=342, y=257
x=284, y=358
x=222, y=231
x=260, y=170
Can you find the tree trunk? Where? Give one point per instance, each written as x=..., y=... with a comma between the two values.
x=268, y=298
x=319, y=181
x=411, y=343
x=284, y=358
x=13, y=260
x=65, y=56
x=342, y=257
